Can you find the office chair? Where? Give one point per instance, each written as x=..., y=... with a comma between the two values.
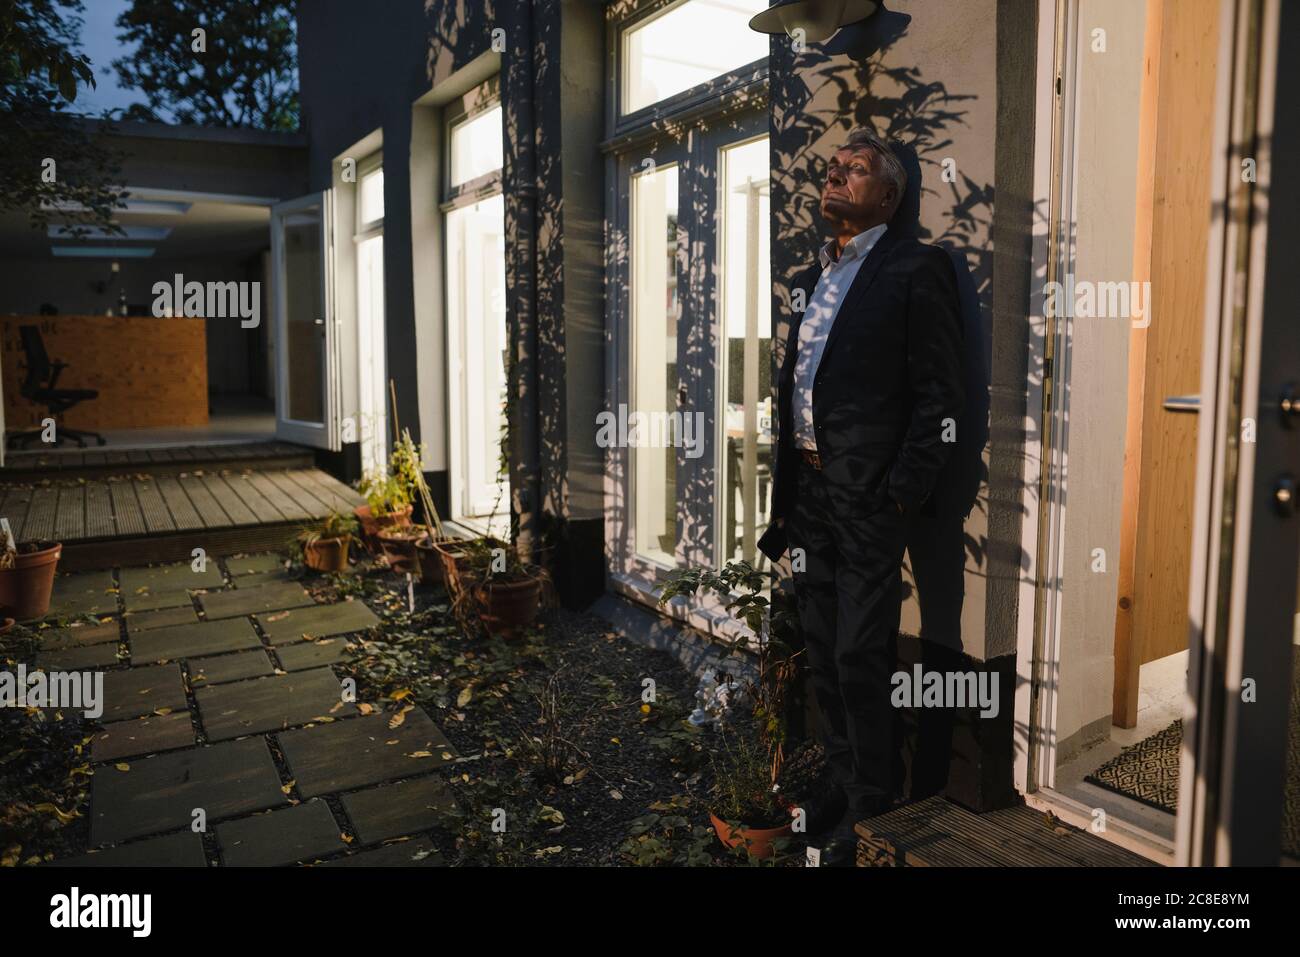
x=41, y=387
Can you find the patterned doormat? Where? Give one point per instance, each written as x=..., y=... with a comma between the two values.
x=1148, y=772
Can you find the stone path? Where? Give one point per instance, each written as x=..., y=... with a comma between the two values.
x=226, y=737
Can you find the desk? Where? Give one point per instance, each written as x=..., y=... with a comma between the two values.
x=150, y=373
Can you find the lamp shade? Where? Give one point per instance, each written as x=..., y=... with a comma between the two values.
x=818, y=19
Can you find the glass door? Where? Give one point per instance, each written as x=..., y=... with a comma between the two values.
x=372, y=368
x=307, y=369
x=1240, y=792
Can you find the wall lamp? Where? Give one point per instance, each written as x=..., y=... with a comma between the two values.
x=817, y=19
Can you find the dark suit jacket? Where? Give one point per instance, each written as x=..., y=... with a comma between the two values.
x=890, y=374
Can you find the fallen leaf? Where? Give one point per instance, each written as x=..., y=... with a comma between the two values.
x=278, y=616
x=420, y=754
x=466, y=693
x=396, y=720
x=122, y=766
x=616, y=795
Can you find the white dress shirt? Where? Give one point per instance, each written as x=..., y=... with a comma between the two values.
x=837, y=276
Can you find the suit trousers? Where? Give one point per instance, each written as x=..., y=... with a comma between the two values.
x=849, y=598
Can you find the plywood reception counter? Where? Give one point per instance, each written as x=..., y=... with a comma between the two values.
x=149, y=372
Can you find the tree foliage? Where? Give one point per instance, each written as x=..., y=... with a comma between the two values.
x=51, y=166
x=230, y=63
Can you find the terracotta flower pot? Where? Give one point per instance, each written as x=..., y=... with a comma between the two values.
x=760, y=842
x=429, y=561
x=507, y=607
x=25, y=588
x=327, y=554
x=398, y=543
x=371, y=524
x=454, y=560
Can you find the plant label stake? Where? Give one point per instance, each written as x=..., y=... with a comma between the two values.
x=410, y=593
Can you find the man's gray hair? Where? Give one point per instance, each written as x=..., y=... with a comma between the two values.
x=889, y=165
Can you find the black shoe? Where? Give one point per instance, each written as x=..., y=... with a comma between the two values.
x=841, y=850
x=823, y=811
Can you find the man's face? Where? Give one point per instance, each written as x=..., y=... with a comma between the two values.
x=854, y=193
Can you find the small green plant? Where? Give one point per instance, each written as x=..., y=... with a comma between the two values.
x=774, y=624
x=743, y=791
x=335, y=525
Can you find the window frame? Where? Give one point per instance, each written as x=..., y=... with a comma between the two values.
x=477, y=101
x=710, y=96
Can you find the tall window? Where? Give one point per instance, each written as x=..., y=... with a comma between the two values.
x=476, y=312
x=655, y=310
x=745, y=365
x=372, y=365
x=689, y=298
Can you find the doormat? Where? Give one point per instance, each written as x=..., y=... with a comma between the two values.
x=1148, y=771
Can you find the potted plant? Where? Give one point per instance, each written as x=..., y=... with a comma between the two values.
x=390, y=492
x=397, y=543
x=504, y=591
x=27, y=578
x=747, y=811
x=323, y=546
x=748, y=792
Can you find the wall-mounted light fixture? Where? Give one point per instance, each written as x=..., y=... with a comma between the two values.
x=816, y=19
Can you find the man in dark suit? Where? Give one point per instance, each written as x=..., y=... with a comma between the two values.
x=869, y=397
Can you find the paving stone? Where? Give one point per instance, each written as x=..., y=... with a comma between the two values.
x=153, y=601
x=160, y=618
x=269, y=704
x=200, y=638
x=248, y=601
x=160, y=793
x=78, y=659
x=319, y=621
x=205, y=672
x=419, y=853
x=397, y=809
x=350, y=754
x=300, y=833
x=128, y=739
x=184, y=849
x=313, y=654
x=79, y=636
x=133, y=692
x=83, y=593
x=258, y=579
x=174, y=577
x=251, y=564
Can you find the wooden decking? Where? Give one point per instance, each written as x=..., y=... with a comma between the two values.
x=938, y=833
x=38, y=464
x=147, y=518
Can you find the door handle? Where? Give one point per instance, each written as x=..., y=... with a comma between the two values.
x=1182, y=403
x=1284, y=496
x=1289, y=403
